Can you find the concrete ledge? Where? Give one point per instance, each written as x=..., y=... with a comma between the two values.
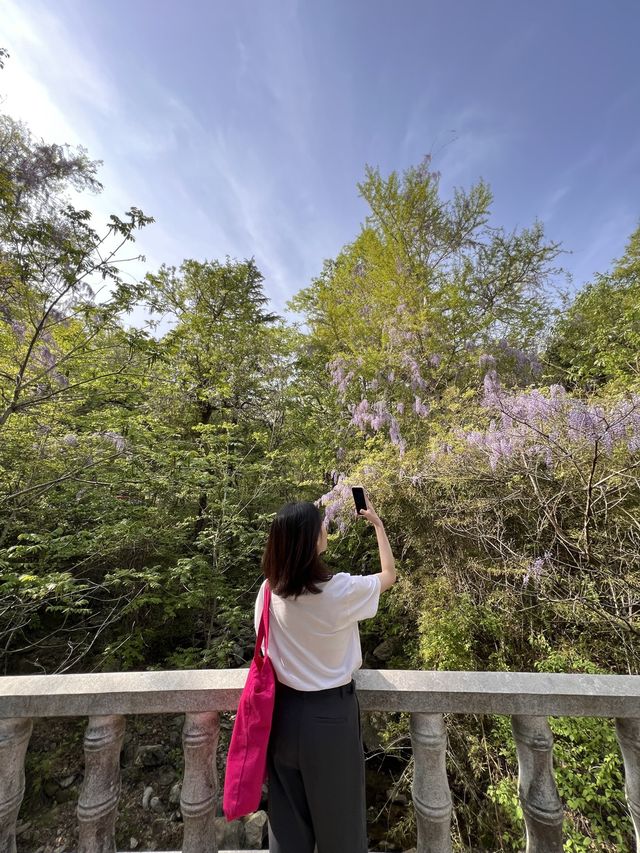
x=174, y=692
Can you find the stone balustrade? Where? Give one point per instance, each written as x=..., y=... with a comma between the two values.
x=108, y=698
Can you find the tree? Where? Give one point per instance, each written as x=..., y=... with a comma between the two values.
x=598, y=339
x=63, y=356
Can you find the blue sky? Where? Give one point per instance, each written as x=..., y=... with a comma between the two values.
x=244, y=126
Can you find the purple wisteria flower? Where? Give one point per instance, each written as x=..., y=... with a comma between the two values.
x=338, y=503
x=421, y=409
x=534, y=570
x=486, y=361
x=395, y=436
x=114, y=438
x=557, y=424
x=417, y=380
x=340, y=376
x=491, y=389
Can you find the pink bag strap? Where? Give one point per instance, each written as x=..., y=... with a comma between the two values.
x=263, y=629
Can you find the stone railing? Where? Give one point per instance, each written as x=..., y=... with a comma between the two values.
x=106, y=699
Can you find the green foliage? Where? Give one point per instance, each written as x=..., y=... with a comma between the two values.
x=597, y=341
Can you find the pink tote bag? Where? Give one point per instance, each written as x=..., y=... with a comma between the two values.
x=247, y=758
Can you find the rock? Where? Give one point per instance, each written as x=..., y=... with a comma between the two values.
x=255, y=827
x=370, y=736
x=50, y=787
x=64, y=796
x=384, y=651
x=146, y=796
x=228, y=835
x=151, y=755
x=174, y=793
x=133, y=843
x=68, y=781
x=155, y=804
x=370, y=662
x=166, y=775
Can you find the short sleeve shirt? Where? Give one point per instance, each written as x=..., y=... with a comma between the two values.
x=314, y=642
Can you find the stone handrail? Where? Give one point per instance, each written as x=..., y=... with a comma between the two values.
x=107, y=698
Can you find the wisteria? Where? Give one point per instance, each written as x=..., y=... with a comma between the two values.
x=19, y=330
x=486, y=361
x=553, y=424
x=523, y=359
x=420, y=408
x=114, y=438
x=365, y=415
x=416, y=378
x=534, y=570
x=340, y=376
x=338, y=504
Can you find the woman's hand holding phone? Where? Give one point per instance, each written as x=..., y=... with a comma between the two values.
x=370, y=514
x=387, y=573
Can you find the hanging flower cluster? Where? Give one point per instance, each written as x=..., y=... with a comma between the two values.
x=552, y=425
x=338, y=504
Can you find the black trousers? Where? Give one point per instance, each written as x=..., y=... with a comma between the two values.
x=316, y=772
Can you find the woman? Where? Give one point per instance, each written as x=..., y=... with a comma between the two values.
x=315, y=757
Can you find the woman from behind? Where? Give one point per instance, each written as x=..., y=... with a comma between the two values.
x=315, y=757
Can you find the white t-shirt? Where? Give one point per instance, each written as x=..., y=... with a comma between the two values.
x=314, y=642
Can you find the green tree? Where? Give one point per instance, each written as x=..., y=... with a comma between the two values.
x=598, y=339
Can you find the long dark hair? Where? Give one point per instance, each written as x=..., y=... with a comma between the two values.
x=291, y=562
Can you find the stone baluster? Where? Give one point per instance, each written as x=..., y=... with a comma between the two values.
x=431, y=794
x=200, y=783
x=98, y=800
x=14, y=739
x=537, y=788
x=628, y=732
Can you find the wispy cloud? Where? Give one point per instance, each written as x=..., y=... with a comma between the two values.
x=211, y=191
x=552, y=203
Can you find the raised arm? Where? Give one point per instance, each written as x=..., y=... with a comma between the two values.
x=387, y=561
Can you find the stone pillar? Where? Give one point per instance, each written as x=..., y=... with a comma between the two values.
x=537, y=788
x=628, y=732
x=14, y=739
x=200, y=783
x=98, y=800
x=431, y=794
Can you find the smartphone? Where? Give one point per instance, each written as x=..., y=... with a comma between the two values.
x=359, y=498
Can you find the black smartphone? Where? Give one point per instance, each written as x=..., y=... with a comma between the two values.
x=359, y=498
